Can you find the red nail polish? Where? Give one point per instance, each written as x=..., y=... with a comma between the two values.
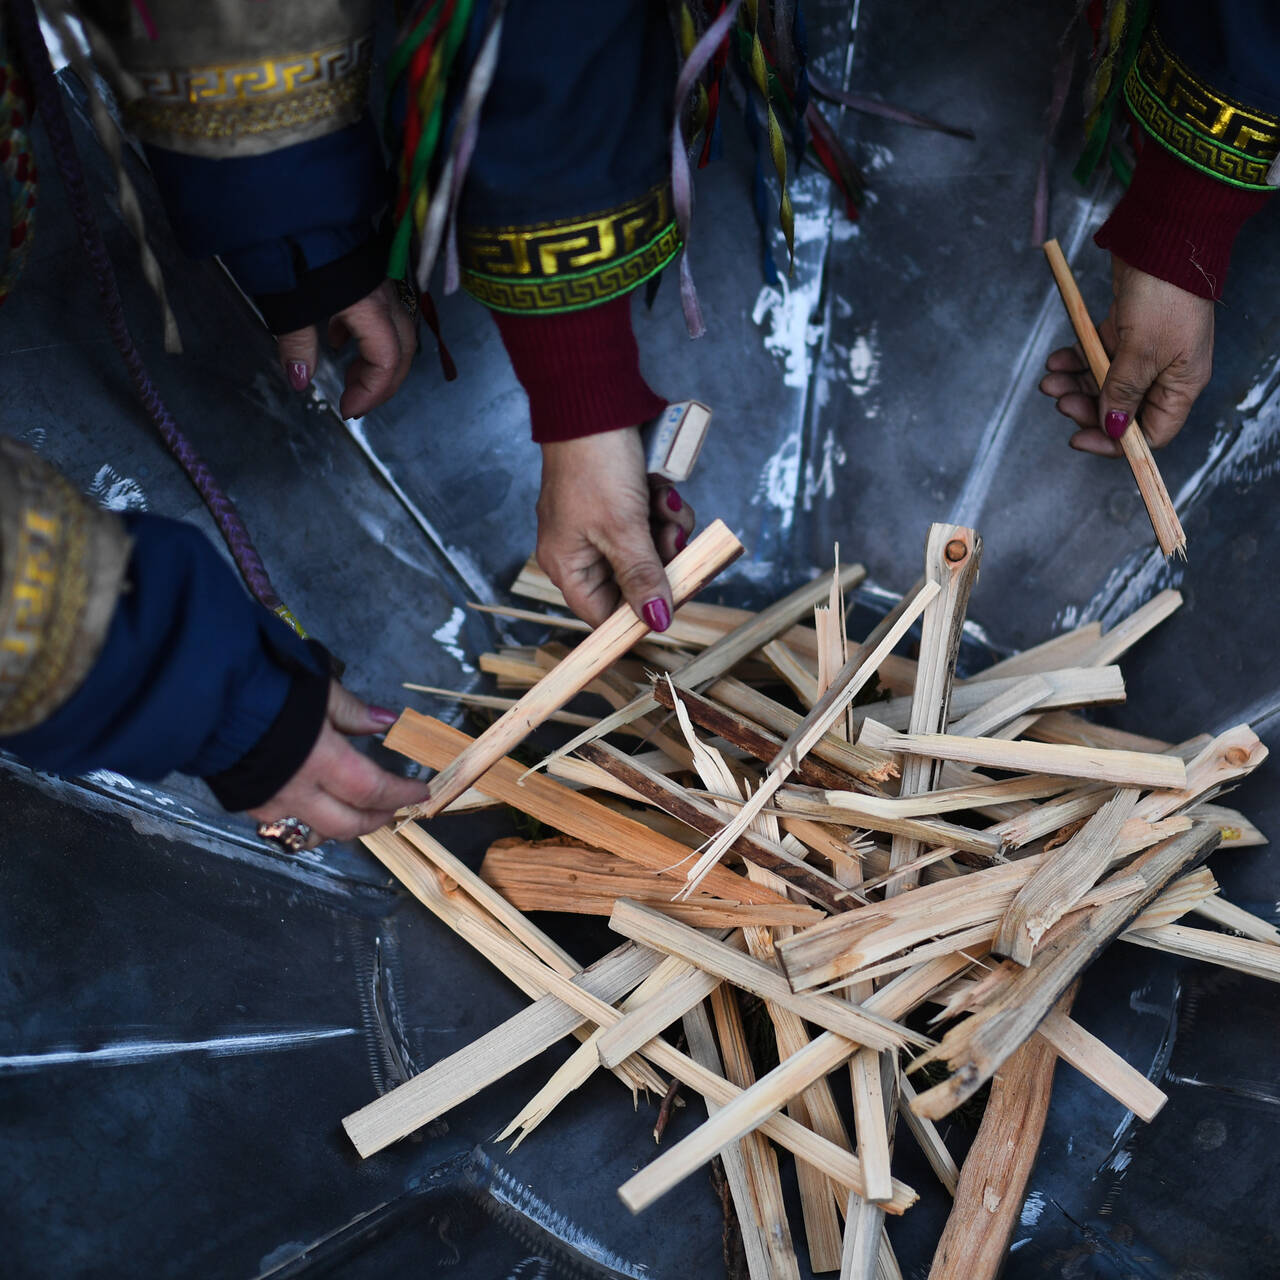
x=681, y=539
x=298, y=375
x=1117, y=423
x=656, y=614
x=380, y=715
x=673, y=501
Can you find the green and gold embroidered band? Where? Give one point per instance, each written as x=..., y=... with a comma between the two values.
x=572, y=264
x=327, y=86
x=1208, y=130
x=62, y=561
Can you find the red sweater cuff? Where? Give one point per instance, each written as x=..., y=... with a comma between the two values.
x=1177, y=223
x=580, y=370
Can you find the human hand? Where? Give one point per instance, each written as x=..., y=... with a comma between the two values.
x=386, y=338
x=605, y=531
x=337, y=792
x=1160, y=340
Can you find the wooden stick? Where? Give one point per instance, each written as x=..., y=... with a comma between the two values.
x=1032, y=787
x=768, y=1253
x=930, y=1140
x=1260, y=959
x=1120, y=768
x=1062, y=879
x=800, y=677
x=994, y=1177
x=1236, y=830
x=856, y=672
x=1070, y=648
x=846, y=1019
x=1228, y=916
x=491, y=702
x=431, y=742
x=977, y=1047
x=1030, y=691
x=951, y=559
x=689, y=572
x=1164, y=519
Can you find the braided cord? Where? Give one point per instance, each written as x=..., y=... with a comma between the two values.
x=49, y=101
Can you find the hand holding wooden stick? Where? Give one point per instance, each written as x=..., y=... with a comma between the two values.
x=1164, y=519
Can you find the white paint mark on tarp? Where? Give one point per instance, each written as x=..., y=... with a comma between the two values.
x=446, y=637
x=864, y=362
x=792, y=330
x=1032, y=1208
x=116, y=492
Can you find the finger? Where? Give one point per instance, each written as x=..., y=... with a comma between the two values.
x=587, y=584
x=357, y=781
x=1167, y=406
x=1081, y=409
x=637, y=569
x=1091, y=440
x=349, y=715
x=1067, y=360
x=333, y=819
x=298, y=351
x=666, y=506
x=1124, y=389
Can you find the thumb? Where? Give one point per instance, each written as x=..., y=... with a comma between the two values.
x=349, y=715
x=1124, y=389
x=298, y=351
x=639, y=574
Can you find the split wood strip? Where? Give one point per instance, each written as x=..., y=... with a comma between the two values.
x=1129, y=630
x=1259, y=959
x=926, y=1134
x=431, y=742
x=431, y=888
x=930, y=831
x=868, y=768
x=1237, y=830
x=736, y=729
x=977, y=1047
x=1228, y=916
x=452, y=1080
x=1066, y=650
x=1227, y=758
x=1062, y=879
x=704, y=817
x=993, y=1179
x=1073, y=730
x=679, y=634
x=759, y=1106
x=837, y=1164
x=1101, y=1064
x=1004, y=708
x=871, y=1111
x=583, y=775
x=1068, y=687
x=1185, y=894
x=749, y=634
x=802, y=680
x=768, y=1254
x=1164, y=519
x=767, y=1204
x=829, y=708
x=845, y=1019
x=950, y=799
x=1120, y=768
x=551, y=875
x=491, y=702
x=951, y=560
x=688, y=573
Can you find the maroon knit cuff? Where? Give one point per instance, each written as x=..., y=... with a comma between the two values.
x=580, y=370
x=1177, y=223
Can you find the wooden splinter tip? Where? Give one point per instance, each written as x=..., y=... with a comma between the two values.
x=956, y=550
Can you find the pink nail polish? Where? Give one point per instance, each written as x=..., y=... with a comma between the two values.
x=673, y=501
x=298, y=375
x=656, y=614
x=1117, y=423
x=681, y=539
x=380, y=715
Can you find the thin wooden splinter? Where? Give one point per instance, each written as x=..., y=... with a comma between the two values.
x=1164, y=519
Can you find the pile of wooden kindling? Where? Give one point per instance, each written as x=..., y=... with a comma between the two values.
x=963, y=848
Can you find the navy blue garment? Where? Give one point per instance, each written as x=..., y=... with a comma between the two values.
x=192, y=677
x=1233, y=44
x=283, y=221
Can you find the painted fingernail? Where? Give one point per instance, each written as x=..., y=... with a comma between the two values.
x=1117, y=423
x=380, y=715
x=673, y=501
x=681, y=539
x=298, y=375
x=656, y=614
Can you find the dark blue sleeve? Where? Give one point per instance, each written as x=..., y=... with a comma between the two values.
x=193, y=677
x=297, y=227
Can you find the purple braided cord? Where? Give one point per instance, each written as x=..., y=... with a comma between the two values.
x=49, y=102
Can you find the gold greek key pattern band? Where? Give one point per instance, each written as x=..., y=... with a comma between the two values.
x=245, y=100
x=1210, y=131
x=61, y=564
x=572, y=264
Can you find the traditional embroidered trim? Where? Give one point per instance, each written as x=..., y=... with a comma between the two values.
x=239, y=99
x=576, y=291
x=571, y=264
x=60, y=575
x=1215, y=134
